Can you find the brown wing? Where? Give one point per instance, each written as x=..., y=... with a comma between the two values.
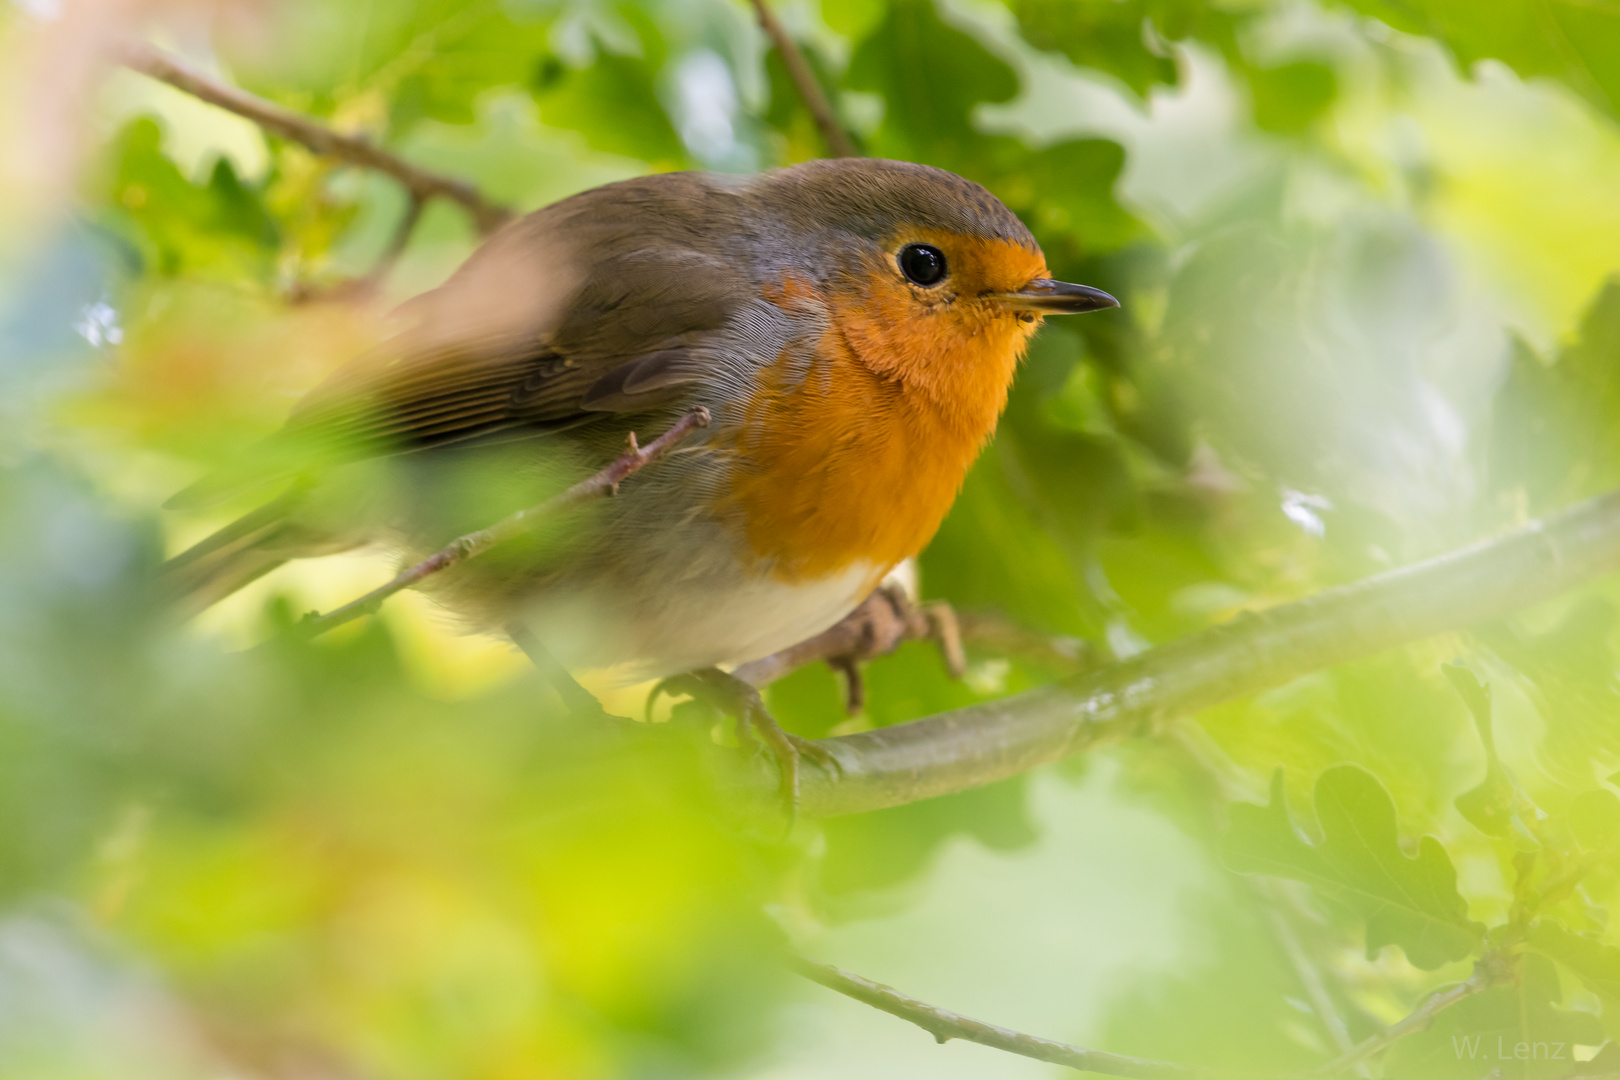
x=577, y=311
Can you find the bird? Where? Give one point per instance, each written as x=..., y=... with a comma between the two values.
x=852, y=327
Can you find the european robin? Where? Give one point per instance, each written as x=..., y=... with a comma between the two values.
x=851, y=325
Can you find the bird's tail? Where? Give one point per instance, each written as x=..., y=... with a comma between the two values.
x=241, y=553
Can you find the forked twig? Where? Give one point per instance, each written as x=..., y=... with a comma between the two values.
x=466, y=547
x=804, y=80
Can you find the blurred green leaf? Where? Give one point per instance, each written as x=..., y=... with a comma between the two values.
x=388, y=66
x=930, y=75
x=1067, y=191
x=1597, y=963
x=1235, y=1008
x=1493, y=804
x=1289, y=97
x=880, y=850
x=1123, y=39
x=1569, y=669
x=479, y=48
x=1410, y=902
x=614, y=104
x=1551, y=462
x=1577, y=43
x=220, y=228
x=1594, y=817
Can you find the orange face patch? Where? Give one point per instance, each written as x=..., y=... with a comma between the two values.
x=860, y=459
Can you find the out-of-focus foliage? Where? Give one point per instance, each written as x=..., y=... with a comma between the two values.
x=1367, y=254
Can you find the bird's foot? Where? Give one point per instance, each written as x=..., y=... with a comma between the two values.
x=882, y=623
x=756, y=727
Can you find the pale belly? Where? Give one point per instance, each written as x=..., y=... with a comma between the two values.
x=630, y=636
x=658, y=581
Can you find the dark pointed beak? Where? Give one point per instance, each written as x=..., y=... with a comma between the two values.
x=1050, y=297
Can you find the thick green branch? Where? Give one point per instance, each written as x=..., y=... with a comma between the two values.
x=969, y=747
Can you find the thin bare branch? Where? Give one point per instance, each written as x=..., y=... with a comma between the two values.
x=966, y=748
x=473, y=544
x=804, y=80
x=1492, y=969
x=317, y=137
x=944, y=1025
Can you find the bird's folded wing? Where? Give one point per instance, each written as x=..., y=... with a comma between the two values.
x=517, y=344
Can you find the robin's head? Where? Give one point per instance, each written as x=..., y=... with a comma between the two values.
x=930, y=276
x=942, y=239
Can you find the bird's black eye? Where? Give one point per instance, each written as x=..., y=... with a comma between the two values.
x=922, y=263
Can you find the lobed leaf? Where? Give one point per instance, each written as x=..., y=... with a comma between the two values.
x=1406, y=901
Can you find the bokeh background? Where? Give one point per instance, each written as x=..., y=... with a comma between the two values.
x=1365, y=253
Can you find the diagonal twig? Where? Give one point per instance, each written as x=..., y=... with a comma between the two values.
x=1490, y=970
x=473, y=544
x=804, y=80
x=944, y=1025
x=422, y=184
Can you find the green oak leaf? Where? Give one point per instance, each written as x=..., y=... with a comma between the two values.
x=1596, y=962
x=1406, y=901
x=1515, y=1031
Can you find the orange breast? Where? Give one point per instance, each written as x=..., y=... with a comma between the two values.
x=859, y=458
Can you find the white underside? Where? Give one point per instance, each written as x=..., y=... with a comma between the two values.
x=691, y=627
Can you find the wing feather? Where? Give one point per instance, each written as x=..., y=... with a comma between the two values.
x=562, y=318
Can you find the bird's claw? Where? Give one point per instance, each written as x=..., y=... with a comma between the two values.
x=755, y=725
x=884, y=621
